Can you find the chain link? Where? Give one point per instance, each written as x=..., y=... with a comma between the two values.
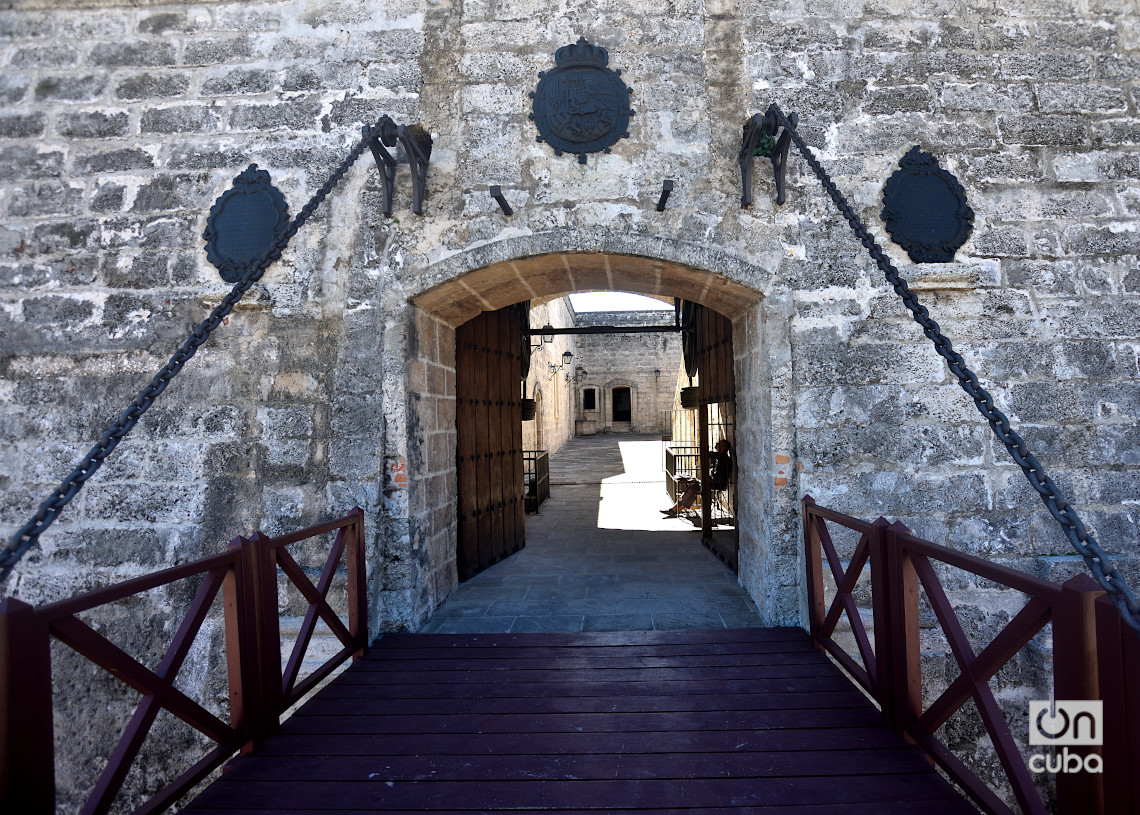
x=50, y=509
x=1098, y=562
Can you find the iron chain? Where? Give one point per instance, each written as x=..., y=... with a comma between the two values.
x=50, y=509
x=1098, y=562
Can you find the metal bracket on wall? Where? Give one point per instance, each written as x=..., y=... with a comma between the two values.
x=760, y=140
x=385, y=162
x=417, y=146
x=666, y=191
x=497, y=194
x=417, y=143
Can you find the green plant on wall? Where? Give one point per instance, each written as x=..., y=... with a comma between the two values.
x=765, y=145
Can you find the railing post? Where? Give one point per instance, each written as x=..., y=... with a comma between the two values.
x=813, y=565
x=905, y=668
x=879, y=557
x=259, y=576
x=268, y=624
x=242, y=661
x=1075, y=677
x=706, y=482
x=357, y=584
x=1118, y=666
x=27, y=742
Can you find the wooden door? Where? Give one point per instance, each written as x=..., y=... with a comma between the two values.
x=713, y=347
x=711, y=344
x=488, y=453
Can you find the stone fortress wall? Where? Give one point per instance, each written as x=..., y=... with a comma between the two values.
x=333, y=384
x=554, y=421
x=122, y=124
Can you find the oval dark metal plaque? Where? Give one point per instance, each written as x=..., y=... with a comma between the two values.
x=581, y=106
x=925, y=209
x=244, y=222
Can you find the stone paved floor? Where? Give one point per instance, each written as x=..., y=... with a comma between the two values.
x=600, y=557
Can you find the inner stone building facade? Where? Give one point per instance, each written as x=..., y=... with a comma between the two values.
x=647, y=366
x=333, y=383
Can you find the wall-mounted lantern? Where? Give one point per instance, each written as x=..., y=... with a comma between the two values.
x=580, y=374
x=567, y=356
x=546, y=335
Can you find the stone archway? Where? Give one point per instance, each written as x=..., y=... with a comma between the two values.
x=560, y=273
x=552, y=264
x=489, y=278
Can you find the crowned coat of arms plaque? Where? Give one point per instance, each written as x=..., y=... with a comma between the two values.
x=581, y=106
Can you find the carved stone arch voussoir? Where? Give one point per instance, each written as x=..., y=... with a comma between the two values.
x=552, y=264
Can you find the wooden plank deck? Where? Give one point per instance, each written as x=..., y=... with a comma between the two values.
x=751, y=720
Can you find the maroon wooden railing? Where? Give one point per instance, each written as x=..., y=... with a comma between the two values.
x=259, y=690
x=1118, y=680
x=1095, y=656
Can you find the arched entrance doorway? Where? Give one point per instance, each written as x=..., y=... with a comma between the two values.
x=622, y=407
x=766, y=564
x=493, y=352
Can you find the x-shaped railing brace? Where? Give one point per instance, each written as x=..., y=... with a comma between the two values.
x=758, y=132
x=417, y=146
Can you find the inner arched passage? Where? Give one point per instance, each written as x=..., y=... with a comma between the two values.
x=553, y=275
x=538, y=278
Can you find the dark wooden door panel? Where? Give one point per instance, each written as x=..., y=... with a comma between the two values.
x=714, y=354
x=466, y=460
x=489, y=440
